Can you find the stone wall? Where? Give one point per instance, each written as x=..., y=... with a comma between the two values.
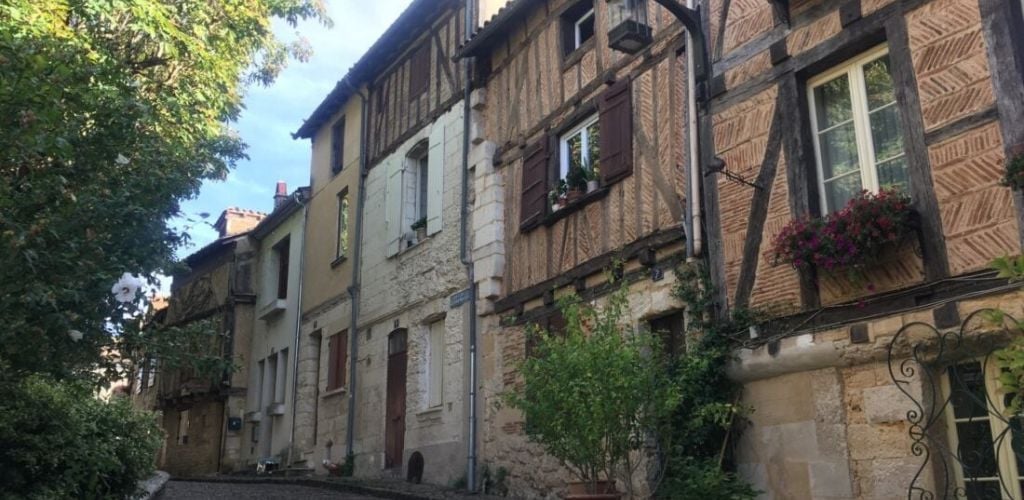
x=411, y=290
x=199, y=455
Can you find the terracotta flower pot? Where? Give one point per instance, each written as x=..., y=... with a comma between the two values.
x=573, y=194
x=603, y=490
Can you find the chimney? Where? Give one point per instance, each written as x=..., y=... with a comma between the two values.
x=281, y=194
x=236, y=221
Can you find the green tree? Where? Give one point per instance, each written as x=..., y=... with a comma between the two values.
x=111, y=113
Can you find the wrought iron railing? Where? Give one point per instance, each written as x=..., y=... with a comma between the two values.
x=941, y=373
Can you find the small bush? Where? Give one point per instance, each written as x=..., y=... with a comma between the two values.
x=58, y=441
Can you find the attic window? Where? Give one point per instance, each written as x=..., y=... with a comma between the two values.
x=578, y=24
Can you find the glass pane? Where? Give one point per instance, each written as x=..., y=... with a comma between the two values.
x=878, y=81
x=982, y=490
x=839, y=151
x=976, y=451
x=967, y=383
x=841, y=190
x=593, y=144
x=1017, y=442
x=885, y=133
x=893, y=175
x=575, y=146
x=832, y=102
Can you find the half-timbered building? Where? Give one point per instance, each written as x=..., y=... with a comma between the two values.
x=859, y=383
x=580, y=163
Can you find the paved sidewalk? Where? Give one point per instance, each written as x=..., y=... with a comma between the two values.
x=374, y=488
x=193, y=490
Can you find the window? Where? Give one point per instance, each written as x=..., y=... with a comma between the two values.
x=673, y=335
x=435, y=364
x=855, y=121
x=580, y=150
x=183, y=421
x=417, y=188
x=338, y=145
x=337, y=348
x=281, y=251
x=986, y=444
x=578, y=25
x=151, y=366
x=602, y=140
x=271, y=380
x=282, y=376
x=342, y=244
x=419, y=71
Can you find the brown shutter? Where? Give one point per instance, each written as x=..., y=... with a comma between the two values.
x=535, y=184
x=332, y=361
x=616, y=123
x=419, y=71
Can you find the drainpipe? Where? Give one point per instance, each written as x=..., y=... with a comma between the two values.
x=298, y=327
x=696, y=244
x=467, y=261
x=353, y=289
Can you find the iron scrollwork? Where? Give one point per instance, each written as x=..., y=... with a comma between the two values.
x=920, y=356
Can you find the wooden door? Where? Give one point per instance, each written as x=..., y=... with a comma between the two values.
x=394, y=428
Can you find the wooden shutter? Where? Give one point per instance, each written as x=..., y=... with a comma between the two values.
x=393, y=204
x=337, y=357
x=332, y=363
x=419, y=71
x=616, y=122
x=435, y=177
x=534, y=200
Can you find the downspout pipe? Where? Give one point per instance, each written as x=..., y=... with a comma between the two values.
x=695, y=236
x=467, y=261
x=354, y=288
x=298, y=326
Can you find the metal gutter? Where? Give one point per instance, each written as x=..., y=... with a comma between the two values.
x=297, y=198
x=354, y=287
x=471, y=445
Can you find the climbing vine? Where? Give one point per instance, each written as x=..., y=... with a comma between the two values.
x=694, y=443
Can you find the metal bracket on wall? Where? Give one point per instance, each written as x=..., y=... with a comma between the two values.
x=717, y=166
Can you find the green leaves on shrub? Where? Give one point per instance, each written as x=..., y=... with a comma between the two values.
x=58, y=441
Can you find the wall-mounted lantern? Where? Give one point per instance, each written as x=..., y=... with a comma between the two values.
x=630, y=31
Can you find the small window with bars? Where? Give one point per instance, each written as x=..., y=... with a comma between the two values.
x=988, y=443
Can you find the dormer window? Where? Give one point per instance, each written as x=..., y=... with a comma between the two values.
x=578, y=24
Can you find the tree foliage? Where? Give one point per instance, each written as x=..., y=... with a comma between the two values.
x=60, y=442
x=111, y=113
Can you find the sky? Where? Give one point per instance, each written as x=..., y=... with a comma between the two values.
x=273, y=113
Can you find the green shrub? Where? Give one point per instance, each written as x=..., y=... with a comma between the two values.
x=592, y=394
x=58, y=441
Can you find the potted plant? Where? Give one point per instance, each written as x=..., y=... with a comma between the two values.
x=1014, y=176
x=557, y=196
x=592, y=174
x=420, y=226
x=849, y=239
x=576, y=182
x=591, y=394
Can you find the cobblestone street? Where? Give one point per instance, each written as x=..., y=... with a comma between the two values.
x=188, y=490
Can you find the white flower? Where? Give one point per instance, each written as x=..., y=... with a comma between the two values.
x=121, y=159
x=126, y=288
x=75, y=335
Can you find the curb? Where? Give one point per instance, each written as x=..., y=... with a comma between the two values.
x=154, y=485
x=317, y=483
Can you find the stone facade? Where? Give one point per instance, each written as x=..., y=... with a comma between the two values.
x=412, y=290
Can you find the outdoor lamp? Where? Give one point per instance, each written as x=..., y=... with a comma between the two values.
x=630, y=31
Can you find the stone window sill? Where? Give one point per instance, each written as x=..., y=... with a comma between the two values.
x=333, y=392
x=337, y=262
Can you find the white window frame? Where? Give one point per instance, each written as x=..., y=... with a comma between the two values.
x=853, y=69
x=577, y=35
x=563, y=145
x=1006, y=460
